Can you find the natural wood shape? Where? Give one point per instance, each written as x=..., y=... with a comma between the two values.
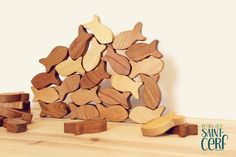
x=54, y=110
x=68, y=85
x=95, y=77
x=43, y=80
x=115, y=113
x=184, y=130
x=84, y=96
x=114, y=97
x=125, y=39
x=92, y=58
x=48, y=95
x=80, y=45
x=139, y=51
x=124, y=83
x=16, y=125
x=1, y=121
x=120, y=64
x=160, y=125
x=148, y=66
x=151, y=93
x=57, y=55
x=14, y=96
x=102, y=33
x=69, y=127
x=69, y=67
x=83, y=112
x=16, y=105
x=141, y=114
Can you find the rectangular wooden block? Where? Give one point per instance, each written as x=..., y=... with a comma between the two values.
x=184, y=130
x=69, y=127
x=16, y=105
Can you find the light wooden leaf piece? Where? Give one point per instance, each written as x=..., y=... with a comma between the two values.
x=83, y=112
x=54, y=110
x=48, y=95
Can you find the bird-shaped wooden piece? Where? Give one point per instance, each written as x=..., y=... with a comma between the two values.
x=48, y=95
x=54, y=110
x=83, y=112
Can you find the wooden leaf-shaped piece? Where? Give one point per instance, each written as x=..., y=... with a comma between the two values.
x=43, y=80
x=125, y=84
x=113, y=97
x=92, y=57
x=84, y=96
x=48, y=95
x=102, y=33
x=120, y=64
x=125, y=39
x=57, y=55
x=95, y=77
x=54, y=110
x=151, y=93
x=80, y=45
x=69, y=67
x=83, y=112
x=149, y=66
x=139, y=51
x=68, y=85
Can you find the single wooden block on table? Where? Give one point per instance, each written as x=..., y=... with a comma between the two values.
x=69, y=127
x=57, y=55
x=83, y=112
x=16, y=105
x=16, y=125
x=54, y=110
x=47, y=95
x=184, y=130
x=14, y=96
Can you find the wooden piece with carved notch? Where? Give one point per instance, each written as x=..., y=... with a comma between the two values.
x=68, y=85
x=43, y=80
x=102, y=33
x=84, y=96
x=80, y=45
x=125, y=39
x=184, y=130
x=54, y=110
x=47, y=95
x=114, y=113
x=16, y=125
x=124, y=83
x=114, y=97
x=14, y=96
x=16, y=105
x=119, y=63
x=139, y=51
x=151, y=93
x=57, y=55
x=83, y=112
x=95, y=77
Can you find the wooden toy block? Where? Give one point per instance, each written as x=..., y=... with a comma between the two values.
x=80, y=45
x=9, y=113
x=139, y=51
x=57, y=55
x=148, y=66
x=43, y=80
x=1, y=121
x=92, y=58
x=69, y=67
x=184, y=130
x=54, y=110
x=95, y=77
x=83, y=112
x=124, y=83
x=120, y=64
x=151, y=92
x=84, y=96
x=160, y=125
x=69, y=127
x=102, y=33
x=26, y=117
x=4, y=122
x=125, y=39
x=114, y=113
x=68, y=85
x=16, y=105
x=141, y=114
x=14, y=96
x=114, y=97
x=47, y=95
x=16, y=125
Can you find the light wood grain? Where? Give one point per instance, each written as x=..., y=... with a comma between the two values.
x=47, y=95
x=83, y=112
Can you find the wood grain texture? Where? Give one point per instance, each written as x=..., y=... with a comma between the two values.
x=95, y=77
x=84, y=112
x=184, y=130
x=54, y=110
x=80, y=45
x=84, y=96
x=69, y=127
x=114, y=113
x=139, y=51
x=69, y=67
x=102, y=33
x=92, y=58
x=16, y=125
x=14, y=96
x=68, y=85
x=114, y=97
x=57, y=55
x=148, y=66
x=159, y=126
x=43, y=80
x=119, y=63
x=151, y=93
x=47, y=95
x=125, y=84
x=125, y=39
x=16, y=105
x=141, y=114
x=90, y=126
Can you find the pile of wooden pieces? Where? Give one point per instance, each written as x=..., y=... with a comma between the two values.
x=15, y=112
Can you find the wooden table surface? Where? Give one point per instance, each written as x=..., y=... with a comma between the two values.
x=45, y=138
